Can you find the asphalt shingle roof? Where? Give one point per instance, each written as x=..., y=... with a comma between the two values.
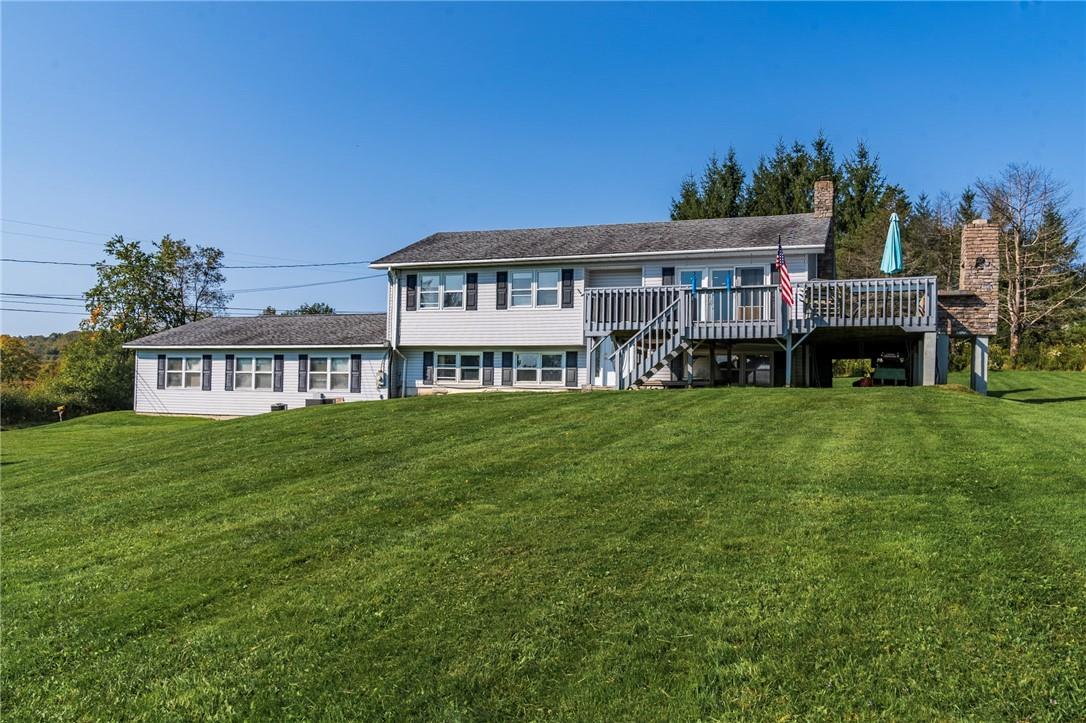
x=305, y=330
x=801, y=229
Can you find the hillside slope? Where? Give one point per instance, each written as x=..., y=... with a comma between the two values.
x=728, y=553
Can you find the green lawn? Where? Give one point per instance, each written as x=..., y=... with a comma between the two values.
x=708, y=554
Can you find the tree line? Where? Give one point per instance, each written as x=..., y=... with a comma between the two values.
x=137, y=292
x=1042, y=276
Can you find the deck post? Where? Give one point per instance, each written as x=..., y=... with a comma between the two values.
x=930, y=356
x=788, y=350
x=978, y=377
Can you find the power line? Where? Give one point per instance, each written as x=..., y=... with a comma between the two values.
x=51, y=238
x=57, y=228
x=44, y=311
x=256, y=266
x=302, y=286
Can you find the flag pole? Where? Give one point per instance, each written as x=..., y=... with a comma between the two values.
x=787, y=328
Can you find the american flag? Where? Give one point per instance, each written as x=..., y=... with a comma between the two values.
x=786, y=281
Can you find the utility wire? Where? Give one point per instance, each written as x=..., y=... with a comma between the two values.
x=256, y=266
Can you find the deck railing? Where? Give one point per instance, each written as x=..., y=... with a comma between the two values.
x=626, y=308
x=753, y=312
x=908, y=302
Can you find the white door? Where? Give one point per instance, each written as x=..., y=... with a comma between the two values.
x=603, y=366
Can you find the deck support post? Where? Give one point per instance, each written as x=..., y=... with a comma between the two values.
x=789, y=350
x=978, y=377
x=929, y=345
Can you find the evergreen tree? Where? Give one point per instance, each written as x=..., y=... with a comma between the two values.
x=862, y=189
x=722, y=187
x=689, y=205
x=967, y=209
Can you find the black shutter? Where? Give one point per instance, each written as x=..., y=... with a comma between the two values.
x=567, y=288
x=229, y=385
x=668, y=274
x=571, y=368
x=205, y=377
x=507, y=368
x=277, y=373
x=161, y=382
x=427, y=367
x=502, y=289
x=471, y=297
x=488, y=368
x=412, y=291
x=303, y=373
x=356, y=373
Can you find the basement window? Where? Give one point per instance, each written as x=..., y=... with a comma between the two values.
x=539, y=367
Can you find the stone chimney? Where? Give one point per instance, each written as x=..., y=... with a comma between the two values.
x=823, y=199
x=826, y=268
x=973, y=309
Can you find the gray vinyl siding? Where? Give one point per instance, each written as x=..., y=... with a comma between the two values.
x=601, y=278
x=414, y=370
x=219, y=402
x=797, y=265
x=498, y=328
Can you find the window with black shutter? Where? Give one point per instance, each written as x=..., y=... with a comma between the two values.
x=567, y=288
x=668, y=276
x=161, y=380
x=507, y=368
x=277, y=373
x=427, y=367
x=303, y=373
x=229, y=383
x=205, y=384
x=412, y=292
x=356, y=373
x=488, y=368
x=502, y=290
x=571, y=368
x=471, y=292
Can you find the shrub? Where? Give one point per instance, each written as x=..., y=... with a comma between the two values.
x=24, y=405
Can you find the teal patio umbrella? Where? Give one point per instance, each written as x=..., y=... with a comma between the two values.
x=891, y=253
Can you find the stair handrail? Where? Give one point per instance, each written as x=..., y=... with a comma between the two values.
x=652, y=326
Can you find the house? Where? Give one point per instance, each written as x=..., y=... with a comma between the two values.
x=674, y=303
x=228, y=367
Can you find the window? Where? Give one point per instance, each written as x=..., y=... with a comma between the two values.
x=469, y=367
x=522, y=288
x=441, y=291
x=454, y=291
x=329, y=373
x=535, y=367
x=535, y=288
x=253, y=372
x=429, y=291
x=445, y=368
x=451, y=367
x=184, y=372
x=546, y=292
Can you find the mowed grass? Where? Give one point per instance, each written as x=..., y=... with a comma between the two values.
x=714, y=554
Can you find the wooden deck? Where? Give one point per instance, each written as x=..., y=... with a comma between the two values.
x=754, y=312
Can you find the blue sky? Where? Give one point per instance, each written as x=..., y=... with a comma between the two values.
x=343, y=131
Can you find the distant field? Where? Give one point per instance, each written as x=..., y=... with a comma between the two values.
x=897, y=553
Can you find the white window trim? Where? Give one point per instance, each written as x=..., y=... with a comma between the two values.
x=252, y=373
x=437, y=381
x=539, y=370
x=185, y=372
x=534, y=289
x=327, y=373
x=441, y=306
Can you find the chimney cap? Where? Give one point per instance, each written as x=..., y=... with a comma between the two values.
x=979, y=222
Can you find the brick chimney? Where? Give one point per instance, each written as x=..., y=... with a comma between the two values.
x=823, y=199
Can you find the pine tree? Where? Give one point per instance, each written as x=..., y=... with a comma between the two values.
x=967, y=209
x=722, y=187
x=689, y=205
